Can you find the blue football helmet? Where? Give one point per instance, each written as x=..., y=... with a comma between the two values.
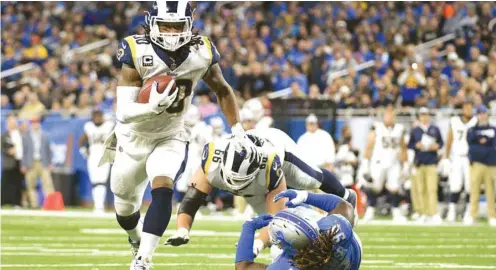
x=294, y=228
x=170, y=23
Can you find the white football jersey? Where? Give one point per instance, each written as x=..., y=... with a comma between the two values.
x=97, y=135
x=268, y=177
x=188, y=68
x=459, y=130
x=387, y=143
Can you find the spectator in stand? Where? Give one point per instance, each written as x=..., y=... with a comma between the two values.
x=411, y=81
x=32, y=108
x=36, y=161
x=482, y=155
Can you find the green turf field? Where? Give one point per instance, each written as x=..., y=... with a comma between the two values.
x=48, y=242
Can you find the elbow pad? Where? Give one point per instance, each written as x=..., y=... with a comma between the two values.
x=192, y=201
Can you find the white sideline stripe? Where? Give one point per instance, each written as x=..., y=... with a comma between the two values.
x=91, y=215
x=106, y=253
x=168, y=232
x=106, y=265
x=387, y=247
x=457, y=255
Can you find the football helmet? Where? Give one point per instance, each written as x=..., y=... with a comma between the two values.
x=294, y=228
x=170, y=23
x=240, y=164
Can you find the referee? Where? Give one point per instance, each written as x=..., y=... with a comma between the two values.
x=482, y=154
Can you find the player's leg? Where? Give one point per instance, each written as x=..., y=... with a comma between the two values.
x=128, y=184
x=319, y=178
x=164, y=166
x=98, y=177
x=377, y=173
x=455, y=185
x=489, y=178
x=466, y=185
x=393, y=186
x=475, y=183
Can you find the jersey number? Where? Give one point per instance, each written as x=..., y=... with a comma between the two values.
x=217, y=155
x=184, y=91
x=460, y=134
x=388, y=142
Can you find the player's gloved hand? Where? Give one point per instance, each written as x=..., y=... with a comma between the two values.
x=258, y=222
x=84, y=152
x=162, y=101
x=296, y=197
x=364, y=170
x=181, y=237
x=258, y=246
x=445, y=167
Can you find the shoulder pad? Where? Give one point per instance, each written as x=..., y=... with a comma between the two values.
x=210, y=155
x=127, y=51
x=212, y=50
x=273, y=172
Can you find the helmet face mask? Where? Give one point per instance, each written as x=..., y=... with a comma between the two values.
x=239, y=166
x=169, y=29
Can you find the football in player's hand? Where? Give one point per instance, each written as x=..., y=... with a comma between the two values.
x=163, y=81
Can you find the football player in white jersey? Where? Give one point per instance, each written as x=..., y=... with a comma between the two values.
x=150, y=139
x=382, y=164
x=258, y=111
x=256, y=173
x=199, y=134
x=95, y=132
x=217, y=128
x=456, y=160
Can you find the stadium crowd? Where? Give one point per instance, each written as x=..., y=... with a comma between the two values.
x=264, y=47
x=315, y=50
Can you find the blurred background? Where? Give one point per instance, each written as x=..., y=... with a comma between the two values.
x=342, y=62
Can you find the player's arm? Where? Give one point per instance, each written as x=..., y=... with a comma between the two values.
x=83, y=140
x=225, y=94
x=330, y=203
x=367, y=155
x=449, y=142
x=244, y=251
x=403, y=148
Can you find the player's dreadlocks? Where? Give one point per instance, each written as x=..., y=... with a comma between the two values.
x=318, y=253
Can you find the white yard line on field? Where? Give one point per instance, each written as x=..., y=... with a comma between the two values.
x=229, y=218
x=206, y=245
x=66, y=266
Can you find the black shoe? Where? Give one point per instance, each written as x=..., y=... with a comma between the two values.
x=352, y=197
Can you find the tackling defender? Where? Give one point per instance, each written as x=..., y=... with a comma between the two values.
x=382, y=164
x=456, y=160
x=94, y=135
x=257, y=173
x=309, y=240
x=150, y=138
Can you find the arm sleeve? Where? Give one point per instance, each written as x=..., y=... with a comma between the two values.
x=128, y=110
x=326, y=202
x=244, y=250
x=273, y=172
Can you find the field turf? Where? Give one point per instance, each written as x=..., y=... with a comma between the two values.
x=75, y=240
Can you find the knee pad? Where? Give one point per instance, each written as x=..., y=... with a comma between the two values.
x=126, y=207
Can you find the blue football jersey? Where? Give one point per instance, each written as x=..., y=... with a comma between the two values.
x=347, y=251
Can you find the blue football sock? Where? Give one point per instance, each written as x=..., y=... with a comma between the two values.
x=159, y=213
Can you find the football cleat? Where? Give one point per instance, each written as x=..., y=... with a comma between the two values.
x=141, y=263
x=451, y=216
x=134, y=246
x=468, y=220
x=492, y=222
x=369, y=214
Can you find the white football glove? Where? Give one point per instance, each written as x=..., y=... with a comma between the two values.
x=181, y=237
x=364, y=170
x=162, y=101
x=84, y=152
x=258, y=246
x=445, y=167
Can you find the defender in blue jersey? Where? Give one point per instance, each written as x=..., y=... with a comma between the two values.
x=309, y=239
